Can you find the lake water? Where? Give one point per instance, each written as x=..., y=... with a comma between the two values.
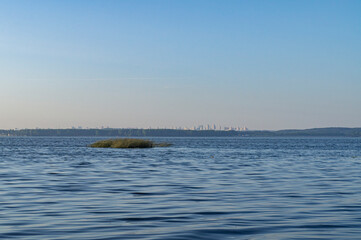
x=200, y=188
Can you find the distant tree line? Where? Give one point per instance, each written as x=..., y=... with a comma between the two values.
x=119, y=132
x=110, y=132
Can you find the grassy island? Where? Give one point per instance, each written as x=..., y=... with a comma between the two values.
x=127, y=143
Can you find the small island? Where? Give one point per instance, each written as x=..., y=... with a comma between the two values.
x=128, y=143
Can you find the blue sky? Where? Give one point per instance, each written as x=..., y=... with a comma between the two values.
x=260, y=64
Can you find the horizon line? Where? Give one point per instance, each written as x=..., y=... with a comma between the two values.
x=176, y=129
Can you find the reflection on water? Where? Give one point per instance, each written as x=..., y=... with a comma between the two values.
x=200, y=188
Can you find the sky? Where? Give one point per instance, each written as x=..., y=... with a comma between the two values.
x=261, y=64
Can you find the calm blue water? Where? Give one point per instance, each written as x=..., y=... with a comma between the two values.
x=200, y=188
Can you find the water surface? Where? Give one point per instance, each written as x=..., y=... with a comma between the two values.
x=200, y=188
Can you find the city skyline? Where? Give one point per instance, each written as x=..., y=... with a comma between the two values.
x=213, y=127
x=261, y=64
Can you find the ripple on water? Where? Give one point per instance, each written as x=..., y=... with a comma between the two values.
x=199, y=188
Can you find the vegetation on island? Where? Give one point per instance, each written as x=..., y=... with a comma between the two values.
x=128, y=143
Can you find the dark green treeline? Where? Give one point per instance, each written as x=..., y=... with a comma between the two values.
x=110, y=132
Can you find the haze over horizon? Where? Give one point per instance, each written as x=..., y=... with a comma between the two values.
x=261, y=64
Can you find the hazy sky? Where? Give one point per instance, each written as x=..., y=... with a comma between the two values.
x=260, y=64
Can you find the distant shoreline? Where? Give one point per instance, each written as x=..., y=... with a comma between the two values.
x=130, y=132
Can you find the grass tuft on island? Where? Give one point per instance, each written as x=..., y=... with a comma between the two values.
x=128, y=143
